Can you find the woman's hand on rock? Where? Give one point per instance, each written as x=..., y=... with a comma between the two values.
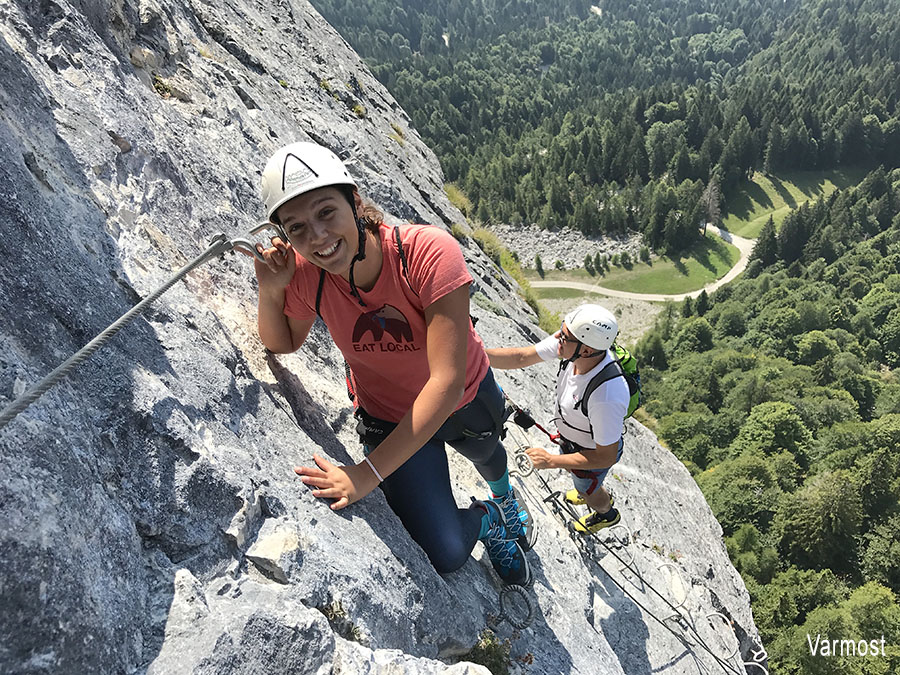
x=344, y=484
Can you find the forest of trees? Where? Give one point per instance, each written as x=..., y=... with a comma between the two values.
x=778, y=393
x=618, y=117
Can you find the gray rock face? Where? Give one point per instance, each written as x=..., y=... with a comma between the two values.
x=149, y=517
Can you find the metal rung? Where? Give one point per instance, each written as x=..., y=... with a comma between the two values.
x=507, y=596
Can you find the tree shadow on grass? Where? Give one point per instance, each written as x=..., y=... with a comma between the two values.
x=705, y=251
x=810, y=185
x=680, y=267
x=719, y=249
x=784, y=193
x=741, y=205
x=701, y=255
x=845, y=178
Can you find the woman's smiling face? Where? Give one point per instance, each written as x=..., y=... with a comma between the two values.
x=320, y=225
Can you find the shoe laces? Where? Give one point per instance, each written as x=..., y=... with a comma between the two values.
x=511, y=510
x=501, y=548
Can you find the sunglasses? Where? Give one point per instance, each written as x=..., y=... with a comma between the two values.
x=563, y=337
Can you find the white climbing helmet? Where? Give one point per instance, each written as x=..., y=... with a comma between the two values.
x=593, y=325
x=298, y=168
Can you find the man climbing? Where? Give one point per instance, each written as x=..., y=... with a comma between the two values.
x=592, y=401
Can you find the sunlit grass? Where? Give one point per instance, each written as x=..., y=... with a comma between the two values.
x=458, y=198
x=749, y=208
x=704, y=263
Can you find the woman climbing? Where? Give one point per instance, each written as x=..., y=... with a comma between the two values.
x=396, y=303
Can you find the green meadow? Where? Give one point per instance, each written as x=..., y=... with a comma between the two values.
x=744, y=214
x=709, y=260
x=747, y=210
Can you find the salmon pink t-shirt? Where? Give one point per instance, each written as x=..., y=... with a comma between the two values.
x=384, y=342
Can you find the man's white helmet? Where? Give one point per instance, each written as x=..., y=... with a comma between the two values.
x=298, y=168
x=593, y=325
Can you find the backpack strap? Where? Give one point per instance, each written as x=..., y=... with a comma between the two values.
x=610, y=372
x=590, y=430
x=348, y=380
x=405, y=264
x=403, y=261
x=319, y=293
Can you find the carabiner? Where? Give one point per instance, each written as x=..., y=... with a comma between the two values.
x=246, y=242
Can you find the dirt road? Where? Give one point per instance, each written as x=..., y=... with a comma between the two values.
x=745, y=246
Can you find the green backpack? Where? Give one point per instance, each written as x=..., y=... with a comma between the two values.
x=625, y=365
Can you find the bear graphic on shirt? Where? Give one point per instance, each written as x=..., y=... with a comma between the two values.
x=388, y=319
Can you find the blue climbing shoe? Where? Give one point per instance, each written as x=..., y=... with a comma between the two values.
x=503, y=548
x=518, y=519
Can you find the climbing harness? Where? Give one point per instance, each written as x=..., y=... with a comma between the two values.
x=219, y=245
x=555, y=499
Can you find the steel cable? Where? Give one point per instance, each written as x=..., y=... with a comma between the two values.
x=219, y=245
x=555, y=495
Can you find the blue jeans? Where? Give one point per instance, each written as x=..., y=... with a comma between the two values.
x=419, y=491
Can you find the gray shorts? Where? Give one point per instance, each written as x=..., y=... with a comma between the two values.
x=588, y=480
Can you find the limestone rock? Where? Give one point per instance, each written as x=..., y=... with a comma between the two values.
x=566, y=245
x=354, y=659
x=274, y=542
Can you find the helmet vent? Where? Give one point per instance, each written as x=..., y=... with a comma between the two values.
x=297, y=173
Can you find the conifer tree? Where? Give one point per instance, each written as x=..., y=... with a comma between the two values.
x=773, y=150
x=710, y=201
x=702, y=303
x=766, y=249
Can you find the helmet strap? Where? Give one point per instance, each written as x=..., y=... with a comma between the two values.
x=574, y=357
x=578, y=355
x=361, y=248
